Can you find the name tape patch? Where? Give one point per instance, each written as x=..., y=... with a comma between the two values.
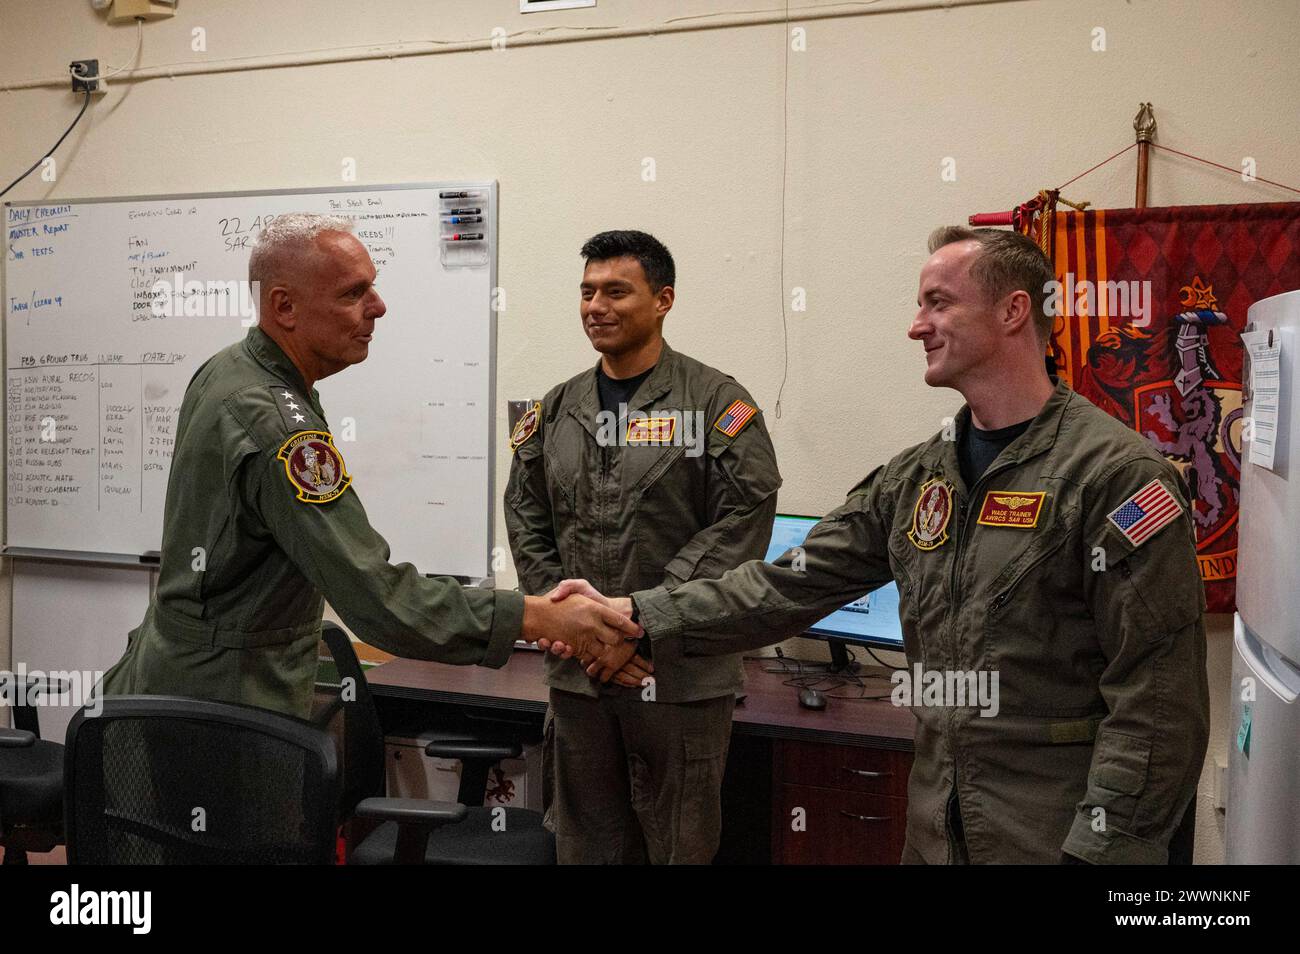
x=1012, y=508
x=651, y=430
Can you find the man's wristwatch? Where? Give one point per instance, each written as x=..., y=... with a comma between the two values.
x=636, y=618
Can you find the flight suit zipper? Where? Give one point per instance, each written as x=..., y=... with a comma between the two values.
x=953, y=611
x=955, y=572
x=601, y=505
x=1001, y=599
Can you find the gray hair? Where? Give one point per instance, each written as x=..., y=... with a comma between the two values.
x=287, y=238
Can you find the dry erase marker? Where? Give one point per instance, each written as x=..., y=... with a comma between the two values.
x=459, y=195
x=462, y=212
x=464, y=219
x=463, y=237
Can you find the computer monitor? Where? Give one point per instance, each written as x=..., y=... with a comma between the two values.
x=871, y=620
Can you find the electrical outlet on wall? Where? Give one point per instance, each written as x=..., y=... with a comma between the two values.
x=82, y=69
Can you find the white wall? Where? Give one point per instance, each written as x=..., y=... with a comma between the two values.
x=1010, y=89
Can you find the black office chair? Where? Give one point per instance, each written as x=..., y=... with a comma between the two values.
x=521, y=840
x=171, y=780
x=31, y=781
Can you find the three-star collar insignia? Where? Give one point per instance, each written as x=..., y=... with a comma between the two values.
x=291, y=410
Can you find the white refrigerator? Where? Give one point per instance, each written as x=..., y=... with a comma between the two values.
x=1263, y=823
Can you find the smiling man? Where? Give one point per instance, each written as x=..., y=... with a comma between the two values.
x=1036, y=538
x=649, y=469
x=261, y=517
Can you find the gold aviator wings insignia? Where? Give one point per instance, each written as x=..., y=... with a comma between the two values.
x=1014, y=503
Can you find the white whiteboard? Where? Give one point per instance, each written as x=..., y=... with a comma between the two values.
x=70, y=618
x=94, y=378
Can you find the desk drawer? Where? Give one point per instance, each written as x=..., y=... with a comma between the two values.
x=850, y=768
x=841, y=828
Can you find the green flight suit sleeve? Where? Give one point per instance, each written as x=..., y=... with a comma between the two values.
x=529, y=522
x=742, y=485
x=390, y=607
x=758, y=603
x=1148, y=603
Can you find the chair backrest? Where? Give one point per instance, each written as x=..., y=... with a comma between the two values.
x=363, y=740
x=170, y=780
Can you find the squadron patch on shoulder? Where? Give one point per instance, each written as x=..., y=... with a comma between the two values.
x=1012, y=508
x=735, y=417
x=1145, y=513
x=314, y=466
x=526, y=426
x=931, y=514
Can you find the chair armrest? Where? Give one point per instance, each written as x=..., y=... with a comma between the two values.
x=33, y=687
x=46, y=684
x=416, y=819
x=16, y=739
x=411, y=811
x=486, y=750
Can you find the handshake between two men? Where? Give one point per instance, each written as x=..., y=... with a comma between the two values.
x=575, y=620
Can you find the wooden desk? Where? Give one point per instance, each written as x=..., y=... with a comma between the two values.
x=845, y=766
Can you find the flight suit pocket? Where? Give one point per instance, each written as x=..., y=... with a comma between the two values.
x=1043, y=549
x=1164, y=606
x=565, y=518
x=700, y=824
x=667, y=457
x=1119, y=773
x=748, y=476
x=521, y=469
x=906, y=570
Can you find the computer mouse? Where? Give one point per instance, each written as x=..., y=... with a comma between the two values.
x=812, y=699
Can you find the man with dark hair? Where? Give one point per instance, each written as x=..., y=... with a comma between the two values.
x=1037, y=542
x=649, y=469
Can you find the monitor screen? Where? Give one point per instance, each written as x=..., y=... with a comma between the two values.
x=871, y=620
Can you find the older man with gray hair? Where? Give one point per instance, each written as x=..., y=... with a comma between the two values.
x=262, y=522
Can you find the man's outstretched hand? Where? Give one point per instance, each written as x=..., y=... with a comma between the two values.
x=620, y=663
x=588, y=627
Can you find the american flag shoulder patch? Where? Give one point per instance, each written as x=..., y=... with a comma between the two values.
x=1145, y=513
x=735, y=417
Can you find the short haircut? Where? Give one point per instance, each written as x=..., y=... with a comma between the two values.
x=288, y=237
x=656, y=261
x=1007, y=262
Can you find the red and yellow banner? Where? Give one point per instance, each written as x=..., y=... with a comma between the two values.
x=1152, y=303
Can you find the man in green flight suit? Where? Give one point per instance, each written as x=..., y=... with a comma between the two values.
x=1041, y=549
x=649, y=468
x=261, y=518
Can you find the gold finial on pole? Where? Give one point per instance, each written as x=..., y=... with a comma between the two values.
x=1144, y=124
